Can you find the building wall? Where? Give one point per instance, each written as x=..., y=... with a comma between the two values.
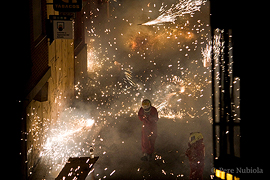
x=42, y=116
x=61, y=83
x=42, y=113
x=38, y=42
x=56, y=66
x=38, y=119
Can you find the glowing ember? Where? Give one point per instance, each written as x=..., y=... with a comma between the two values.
x=90, y=122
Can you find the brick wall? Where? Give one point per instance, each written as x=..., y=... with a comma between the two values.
x=38, y=48
x=42, y=116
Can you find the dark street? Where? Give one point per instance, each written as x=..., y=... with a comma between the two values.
x=119, y=150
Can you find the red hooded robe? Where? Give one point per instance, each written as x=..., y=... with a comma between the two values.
x=149, y=129
x=195, y=153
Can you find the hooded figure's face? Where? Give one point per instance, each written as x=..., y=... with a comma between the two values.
x=194, y=137
x=146, y=104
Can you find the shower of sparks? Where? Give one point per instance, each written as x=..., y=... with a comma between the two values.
x=181, y=8
x=62, y=141
x=126, y=65
x=92, y=60
x=206, y=53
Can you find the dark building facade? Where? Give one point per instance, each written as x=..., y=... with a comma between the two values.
x=47, y=70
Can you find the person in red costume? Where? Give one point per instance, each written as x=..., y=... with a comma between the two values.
x=149, y=116
x=195, y=153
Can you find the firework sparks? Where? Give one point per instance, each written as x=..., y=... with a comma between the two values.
x=206, y=52
x=62, y=140
x=89, y=122
x=181, y=8
x=123, y=69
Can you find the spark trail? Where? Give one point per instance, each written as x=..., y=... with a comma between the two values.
x=181, y=8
